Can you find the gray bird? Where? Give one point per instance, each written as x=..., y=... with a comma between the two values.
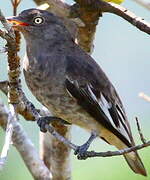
x=71, y=84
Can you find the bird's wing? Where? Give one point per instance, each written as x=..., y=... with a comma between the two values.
x=88, y=84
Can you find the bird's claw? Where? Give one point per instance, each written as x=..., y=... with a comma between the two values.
x=81, y=152
x=46, y=120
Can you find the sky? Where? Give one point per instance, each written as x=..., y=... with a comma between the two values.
x=123, y=53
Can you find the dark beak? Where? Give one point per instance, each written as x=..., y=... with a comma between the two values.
x=15, y=21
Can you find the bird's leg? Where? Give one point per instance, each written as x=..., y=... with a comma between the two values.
x=81, y=150
x=42, y=121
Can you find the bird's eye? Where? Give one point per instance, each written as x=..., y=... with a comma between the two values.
x=38, y=20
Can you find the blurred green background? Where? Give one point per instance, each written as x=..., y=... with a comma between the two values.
x=124, y=54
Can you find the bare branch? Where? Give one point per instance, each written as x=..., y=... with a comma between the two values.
x=55, y=154
x=59, y=137
x=102, y=6
x=117, y=153
x=15, y=4
x=7, y=26
x=8, y=137
x=144, y=96
x=89, y=12
x=25, y=147
x=144, y=3
x=136, y=21
x=92, y=153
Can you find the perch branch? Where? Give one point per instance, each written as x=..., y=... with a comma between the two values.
x=25, y=147
x=116, y=153
x=96, y=154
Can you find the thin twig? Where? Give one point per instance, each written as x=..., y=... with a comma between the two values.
x=116, y=153
x=15, y=4
x=93, y=153
x=140, y=131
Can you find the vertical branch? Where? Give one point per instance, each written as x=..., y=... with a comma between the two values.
x=54, y=153
x=14, y=63
x=60, y=155
x=14, y=80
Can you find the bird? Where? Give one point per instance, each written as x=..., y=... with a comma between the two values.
x=71, y=84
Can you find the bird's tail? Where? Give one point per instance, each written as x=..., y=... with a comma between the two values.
x=135, y=163
x=132, y=158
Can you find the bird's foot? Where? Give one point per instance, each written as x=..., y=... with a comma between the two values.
x=81, y=151
x=46, y=120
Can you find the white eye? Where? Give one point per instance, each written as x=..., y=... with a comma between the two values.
x=38, y=20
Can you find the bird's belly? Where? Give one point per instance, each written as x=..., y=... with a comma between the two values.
x=65, y=107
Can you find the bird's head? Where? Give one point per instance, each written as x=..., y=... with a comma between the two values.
x=35, y=22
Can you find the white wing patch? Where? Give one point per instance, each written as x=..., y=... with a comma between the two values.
x=105, y=105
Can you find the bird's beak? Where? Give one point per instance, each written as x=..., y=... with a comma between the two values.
x=15, y=21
